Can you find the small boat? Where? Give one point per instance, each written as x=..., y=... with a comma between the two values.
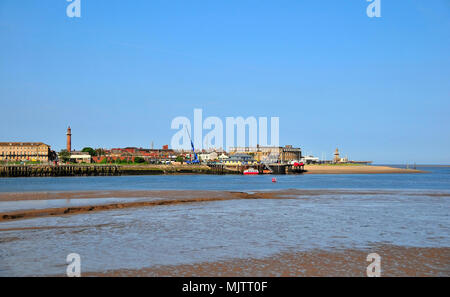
x=251, y=171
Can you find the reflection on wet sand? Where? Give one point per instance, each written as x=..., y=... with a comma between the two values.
x=395, y=261
x=286, y=232
x=14, y=205
x=9, y=206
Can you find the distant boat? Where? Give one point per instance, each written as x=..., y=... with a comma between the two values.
x=251, y=171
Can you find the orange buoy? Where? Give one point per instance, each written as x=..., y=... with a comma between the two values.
x=274, y=180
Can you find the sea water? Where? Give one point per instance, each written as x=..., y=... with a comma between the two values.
x=414, y=212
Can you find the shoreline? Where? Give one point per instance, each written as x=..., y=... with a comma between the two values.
x=357, y=169
x=183, y=169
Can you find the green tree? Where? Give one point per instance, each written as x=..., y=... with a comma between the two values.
x=64, y=155
x=89, y=150
x=99, y=152
x=52, y=156
x=139, y=160
x=179, y=159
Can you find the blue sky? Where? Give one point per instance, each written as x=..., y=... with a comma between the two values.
x=377, y=88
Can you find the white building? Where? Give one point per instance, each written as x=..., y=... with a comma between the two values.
x=223, y=157
x=206, y=157
x=309, y=160
x=80, y=157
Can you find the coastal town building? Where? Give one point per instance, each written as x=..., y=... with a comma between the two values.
x=337, y=158
x=130, y=154
x=309, y=160
x=80, y=157
x=25, y=151
x=223, y=157
x=75, y=156
x=270, y=154
x=289, y=153
x=240, y=159
x=207, y=157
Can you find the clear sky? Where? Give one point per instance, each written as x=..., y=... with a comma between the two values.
x=377, y=88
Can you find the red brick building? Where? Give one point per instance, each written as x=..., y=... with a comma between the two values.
x=131, y=153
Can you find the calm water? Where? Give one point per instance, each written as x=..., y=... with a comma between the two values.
x=437, y=179
x=214, y=231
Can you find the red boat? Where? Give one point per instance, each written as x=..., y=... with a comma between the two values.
x=251, y=171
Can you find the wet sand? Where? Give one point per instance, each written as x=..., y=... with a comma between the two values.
x=171, y=198
x=159, y=198
x=190, y=194
x=395, y=261
x=155, y=198
x=290, y=232
x=356, y=169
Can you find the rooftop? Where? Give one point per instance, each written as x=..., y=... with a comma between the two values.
x=22, y=144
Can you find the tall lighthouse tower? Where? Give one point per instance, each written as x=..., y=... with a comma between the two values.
x=69, y=139
x=337, y=158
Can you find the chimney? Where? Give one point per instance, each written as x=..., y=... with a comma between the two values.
x=69, y=139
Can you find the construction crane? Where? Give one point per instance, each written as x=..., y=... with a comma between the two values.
x=196, y=160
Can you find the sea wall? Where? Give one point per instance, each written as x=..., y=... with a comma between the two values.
x=105, y=170
x=60, y=170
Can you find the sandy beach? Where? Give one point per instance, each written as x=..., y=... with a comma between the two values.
x=310, y=169
x=356, y=169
